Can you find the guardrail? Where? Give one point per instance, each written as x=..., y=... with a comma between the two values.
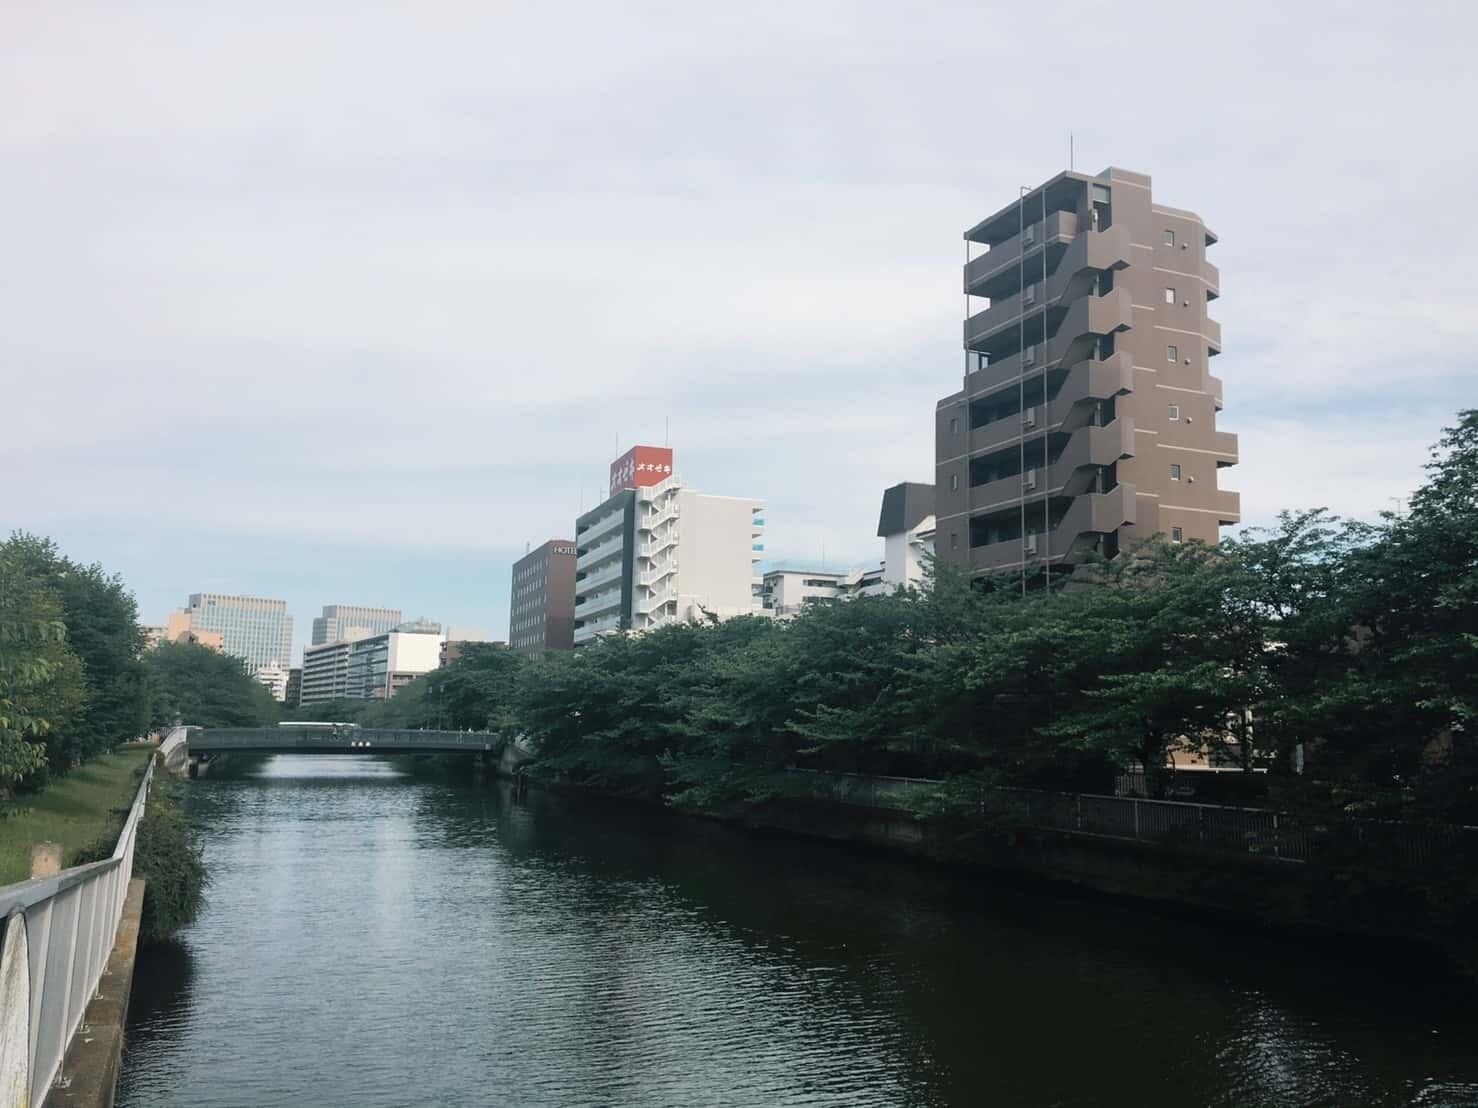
x=59, y=932
x=348, y=739
x=1211, y=828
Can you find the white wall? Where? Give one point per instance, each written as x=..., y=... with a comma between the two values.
x=715, y=553
x=413, y=653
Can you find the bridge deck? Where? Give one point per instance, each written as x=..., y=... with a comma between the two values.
x=349, y=740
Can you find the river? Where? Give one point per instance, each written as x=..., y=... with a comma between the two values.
x=374, y=938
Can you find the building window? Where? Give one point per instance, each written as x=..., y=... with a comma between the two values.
x=1174, y=471
x=1171, y=354
x=954, y=482
x=954, y=540
x=1169, y=237
x=1170, y=296
x=1177, y=535
x=954, y=426
x=1175, y=411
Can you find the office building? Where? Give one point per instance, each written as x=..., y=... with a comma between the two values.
x=541, y=609
x=370, y=667
x=656, y=552
x=294, y=694
x=256, y=630
x=337, y=619
x=275, y=677
x=1087, y=416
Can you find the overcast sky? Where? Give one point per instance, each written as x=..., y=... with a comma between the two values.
x=348, y=302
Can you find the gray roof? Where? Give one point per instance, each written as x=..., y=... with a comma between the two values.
x=904, y=506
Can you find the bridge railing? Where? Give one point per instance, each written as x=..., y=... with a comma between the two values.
x=58, y=934
x=297, y=738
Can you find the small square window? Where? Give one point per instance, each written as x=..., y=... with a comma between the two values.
x=1171, y=354
x=1169, y=237
x=954, y=482
x=954, y=426
x=1174, y=471
x=1175, y=411
x=1170, y=296
x=1177, y=535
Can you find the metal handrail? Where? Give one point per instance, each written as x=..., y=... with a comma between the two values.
x=58, y=934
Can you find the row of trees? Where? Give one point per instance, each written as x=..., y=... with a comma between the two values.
x=1353, y=646
x=75, y=679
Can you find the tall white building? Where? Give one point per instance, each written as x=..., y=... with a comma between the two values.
x=256, y=630
x=657, y=552
x=275, y=678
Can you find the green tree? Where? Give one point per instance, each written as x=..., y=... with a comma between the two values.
x=200, y=687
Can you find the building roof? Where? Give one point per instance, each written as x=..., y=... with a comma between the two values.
x=904, y=506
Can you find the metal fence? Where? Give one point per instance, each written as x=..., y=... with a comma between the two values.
x=345, y=740
x=58, y=934
x=1212, y=828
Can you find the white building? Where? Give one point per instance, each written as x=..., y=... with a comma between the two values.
x=657, y=552
x=369, y=667
x=275, y=678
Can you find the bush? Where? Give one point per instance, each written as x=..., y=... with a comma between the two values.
x=167, y=856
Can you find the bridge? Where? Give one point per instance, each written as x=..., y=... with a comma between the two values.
x=337, y=739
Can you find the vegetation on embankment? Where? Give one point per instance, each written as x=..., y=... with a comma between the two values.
x=84, y=808
x=168, y=857
x=1351, y=642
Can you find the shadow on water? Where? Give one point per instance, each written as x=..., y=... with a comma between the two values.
x=439, y=933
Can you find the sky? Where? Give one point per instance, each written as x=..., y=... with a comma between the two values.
x=351, y=302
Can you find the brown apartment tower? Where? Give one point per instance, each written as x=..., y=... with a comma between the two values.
x=541, y=612
x=1087, y=420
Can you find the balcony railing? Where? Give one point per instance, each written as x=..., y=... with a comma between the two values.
x=1097, y=513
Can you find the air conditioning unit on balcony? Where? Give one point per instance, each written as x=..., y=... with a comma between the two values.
x=1029, y=236
x=1029, y=417
x=1031, y=544
x=1029, y=355
x=1029, y=479
x=1029, y=294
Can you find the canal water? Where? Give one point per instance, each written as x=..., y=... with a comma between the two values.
x=374, y=938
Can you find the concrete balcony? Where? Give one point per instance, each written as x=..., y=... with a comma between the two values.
x=587, y=632
x=1212, y=276
x=1088, y=448
x=600, y=528
x=658, y=543
x=592, y=607
x=1213, y=385
x=1059, y=227
x=1091, y=514
x=1228, y=507
x=1224, y=444
x=1212, y=331
x=656, y=574
x=595, y=555
x=611, y=571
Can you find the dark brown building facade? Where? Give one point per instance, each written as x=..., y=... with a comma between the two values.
x=1087, y=417
x=542, y=609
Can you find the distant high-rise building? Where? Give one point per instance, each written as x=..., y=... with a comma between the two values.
x=336, y=620
x=294, y=687
x=541, y=611
x=1087, y=417
x=276, y=678
x=656, y=552
x=256, y=630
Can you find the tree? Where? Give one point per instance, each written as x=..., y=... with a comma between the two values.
x=40, y=678
x=197, y=686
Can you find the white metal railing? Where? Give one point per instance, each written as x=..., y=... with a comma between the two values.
x=59, y=932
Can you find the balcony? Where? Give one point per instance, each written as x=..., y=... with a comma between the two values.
x=609, y=572
x=1212, y=330
x=600, y=528
x=592, y=607
x=1224, y=444
x=1081, y=387
x=1059, y=227
x=657, y=573
x=1094, y=513
x=652, y=520
x=1228, y=507
x=1089, y=447
x=665, y=541
x=1212, y=276
x=594, y=556
x=1213, y=385
x=588, y=631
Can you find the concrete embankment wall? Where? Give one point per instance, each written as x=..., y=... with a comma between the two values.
x=1253, y=889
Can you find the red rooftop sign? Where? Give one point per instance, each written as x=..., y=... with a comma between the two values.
x=641, y=465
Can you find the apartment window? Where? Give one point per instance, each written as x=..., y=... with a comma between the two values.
x=1171, y=354
x=1169, y=237
x=1175, y=411
x=954, y=540
x=954, y=426
x=1174, y=471
x=954, y=482
x=1177, y=535
x=1170, y=296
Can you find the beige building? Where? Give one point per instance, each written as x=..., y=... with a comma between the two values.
x=1087, y=416
x=179, y=629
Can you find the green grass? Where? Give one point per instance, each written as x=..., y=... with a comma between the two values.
x=76, y=811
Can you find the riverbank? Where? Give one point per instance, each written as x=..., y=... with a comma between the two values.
x=1415, y=917
x=77, y=810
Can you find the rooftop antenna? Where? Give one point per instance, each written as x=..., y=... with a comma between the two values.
x=1070, y=151
x=666, y=430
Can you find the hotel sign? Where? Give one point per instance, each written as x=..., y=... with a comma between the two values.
x=640, y=466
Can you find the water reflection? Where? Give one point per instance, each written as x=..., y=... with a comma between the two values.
x=379, y=939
